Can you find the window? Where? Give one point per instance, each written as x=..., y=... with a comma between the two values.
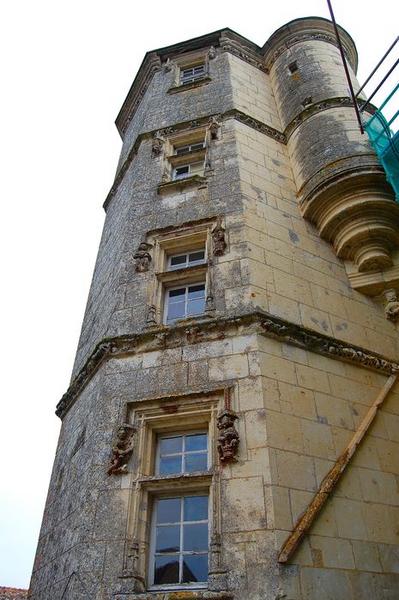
x=182, y=453
x=180, y=540
x=191, y=74
x=196, y=168
x=189, y=148
x=185, y=301
x=175, y=506
x=188, y=259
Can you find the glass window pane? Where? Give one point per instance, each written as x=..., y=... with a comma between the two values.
x=195, y=537
x=178, y=260
x=168, y=510
x=195, y=568
x=198, y=146
x=171, y=445
x=196, y=291
x=176, y=311
x=196, y=307
x=175, y=293
x=167, y=538
x=182, y=149
x=195, y=508
x=197, y=441
x=195, y=462
x=170, y=464
x=195, y=256
x=166, y=569
x=196, y=168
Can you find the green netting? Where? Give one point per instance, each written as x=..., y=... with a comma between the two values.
x=386, y=143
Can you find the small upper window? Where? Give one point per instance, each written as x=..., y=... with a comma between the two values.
x=184, y=171
x=188, y=259
x=189, y=148
x=185, y=301
x=191, y=74
x=182, y=453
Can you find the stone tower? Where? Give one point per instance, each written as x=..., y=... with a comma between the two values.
x=231, y=427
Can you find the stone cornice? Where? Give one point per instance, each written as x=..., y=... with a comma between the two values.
x=194, y=331
x=317, y=107
x=243, y=49
x=302, y=30
x=150, y=65
x=186, y=126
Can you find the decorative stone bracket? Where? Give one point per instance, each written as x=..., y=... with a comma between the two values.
x=122, y=449
x=392, y=305
x=142, y=257
x=219, y=238
x=228, y=439
x=158, y=142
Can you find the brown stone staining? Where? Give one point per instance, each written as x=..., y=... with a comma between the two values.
x=228, y=439
x=392, y=305
x=122, y=449
x=142, y=257
x=219, y=239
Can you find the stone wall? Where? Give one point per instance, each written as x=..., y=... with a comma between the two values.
x=300, y=386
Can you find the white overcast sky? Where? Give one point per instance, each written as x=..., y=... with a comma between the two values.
x=67, y=66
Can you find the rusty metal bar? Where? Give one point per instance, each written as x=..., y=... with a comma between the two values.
x=330, y=480
x=348, y=78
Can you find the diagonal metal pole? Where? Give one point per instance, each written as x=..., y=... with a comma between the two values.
x=359, y=119
x=329, y=482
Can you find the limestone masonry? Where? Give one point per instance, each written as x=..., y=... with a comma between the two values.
x=231, y=427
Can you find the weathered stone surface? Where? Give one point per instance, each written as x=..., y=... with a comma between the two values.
x=286, y=346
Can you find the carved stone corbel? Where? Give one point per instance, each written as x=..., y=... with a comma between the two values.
x=219, y=238
x=228, y=439
x=151, y=315
x=158, y=142
x=212, y=53
x=168, y=66
x=392, y=305
x=122, y=449
x=142, y=257
x=214, y=128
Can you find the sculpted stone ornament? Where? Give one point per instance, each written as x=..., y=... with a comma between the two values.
x=168, y=66
x=122, y=449
x=228, y=440
x=214, y=127
x=392, y=305
x=219, y=239
x=157, y=144
x=212, y=53
x=142, y=257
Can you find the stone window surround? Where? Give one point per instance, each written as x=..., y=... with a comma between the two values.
x=171, y=160
x=185, y=413
x=189, y=59
x=188, y=238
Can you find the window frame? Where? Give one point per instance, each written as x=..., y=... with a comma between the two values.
x=186, y=264
x=189, y=166
x=153, y=416
x=183, y=434
x=182, y=285
x=151, y=586
x=194, y=77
